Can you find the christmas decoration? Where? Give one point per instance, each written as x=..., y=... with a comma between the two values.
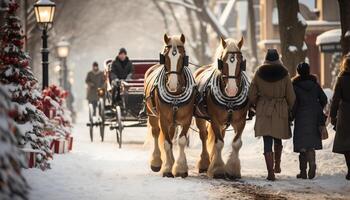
x=12, y=183
x=19, y=82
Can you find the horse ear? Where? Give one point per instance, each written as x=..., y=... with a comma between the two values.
x=166, y=39
x=182, y=38
x=240, y=43
x=223, y=42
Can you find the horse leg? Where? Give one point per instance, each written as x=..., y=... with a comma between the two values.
x=156, y=161
x=216, y=143
x=233, y=164
x=180, y=168
x=203, y=163
x=165, y=141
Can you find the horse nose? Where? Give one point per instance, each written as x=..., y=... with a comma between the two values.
x=231, y=91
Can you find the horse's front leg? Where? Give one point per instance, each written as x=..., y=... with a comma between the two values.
x=216, y=143
x=156, y=161
x=165, y=140
x=203, y=163
x=180, y=168
x=233, y=164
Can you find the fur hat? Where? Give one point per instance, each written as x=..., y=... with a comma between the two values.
x=303, y=69
x=122, y=50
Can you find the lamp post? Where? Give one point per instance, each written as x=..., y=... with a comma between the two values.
x=62, y=52
x=44, y=12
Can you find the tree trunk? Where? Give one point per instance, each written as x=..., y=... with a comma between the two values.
x=292, y=28
x=344, y=6
x=252, y=32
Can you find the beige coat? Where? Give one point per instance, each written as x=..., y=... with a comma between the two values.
x=272, y=93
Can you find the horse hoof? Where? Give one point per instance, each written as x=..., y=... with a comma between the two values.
x=233, y=177
x=202, y=171
x=168, y=174
x=219, y=176
x=182, y=175
x=155, y=169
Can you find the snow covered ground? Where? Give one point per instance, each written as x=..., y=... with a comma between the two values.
x=102, y=171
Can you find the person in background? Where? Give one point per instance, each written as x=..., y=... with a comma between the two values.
x=94, y=80
x=122, y=69
x=340, y=112
x=309, y=117
x=271, y=92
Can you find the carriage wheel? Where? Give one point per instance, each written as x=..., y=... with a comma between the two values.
x=102, y=116
x=120, y=127
x=91, y=110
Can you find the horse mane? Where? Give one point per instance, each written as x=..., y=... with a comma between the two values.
x=231, y=46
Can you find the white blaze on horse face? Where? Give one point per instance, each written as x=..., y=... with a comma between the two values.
x=231, y=87
x=174, y=56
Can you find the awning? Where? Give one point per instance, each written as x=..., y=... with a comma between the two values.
x=329, y=37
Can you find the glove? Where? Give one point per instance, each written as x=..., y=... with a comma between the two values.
x=251, y=114
x=334, y=121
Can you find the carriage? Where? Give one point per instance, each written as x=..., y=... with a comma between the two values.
x=123, y=112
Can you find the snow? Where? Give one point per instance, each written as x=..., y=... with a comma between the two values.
x=347, y=34
x=301, y=19
x=292, y=48
x=332, y=36
x=304, y=48
x=102, y=171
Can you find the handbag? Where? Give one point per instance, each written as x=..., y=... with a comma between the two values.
x=324, y=132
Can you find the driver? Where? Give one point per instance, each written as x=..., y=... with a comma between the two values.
x=122, y=69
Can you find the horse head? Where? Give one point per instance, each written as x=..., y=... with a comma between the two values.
x=174, y=60
x=230, y=63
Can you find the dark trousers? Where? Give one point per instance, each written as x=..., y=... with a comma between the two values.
x=347, y=159
x=94, y=106
x=269, y=141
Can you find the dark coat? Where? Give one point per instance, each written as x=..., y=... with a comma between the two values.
x=272, y=92
x=308, y=113
x=121, y=69
x=94, y=80
x=340, y=110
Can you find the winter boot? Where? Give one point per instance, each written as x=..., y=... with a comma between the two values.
x=278, y=154
x=347, y=158
x=302, y=166
x=269, y=166
x=311, y=159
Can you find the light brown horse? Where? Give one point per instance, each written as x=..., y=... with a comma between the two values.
x=224, y=87
x=170, y=94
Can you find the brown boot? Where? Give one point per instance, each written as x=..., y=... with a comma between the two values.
x=269, y=166
x=278, y=155
x=311, y=159
x=302, y=166
x=347, y=158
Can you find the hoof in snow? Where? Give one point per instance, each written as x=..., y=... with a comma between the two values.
x=155, y=169
x=182, y=175
x=219, y=176
x=168, y=174
x=233, y=177
x=202, y=171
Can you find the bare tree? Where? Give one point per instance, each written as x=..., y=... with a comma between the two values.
x=252, y=32
x=344, y=6
x=292, y=28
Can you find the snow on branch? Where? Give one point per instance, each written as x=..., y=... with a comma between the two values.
x=184, y=4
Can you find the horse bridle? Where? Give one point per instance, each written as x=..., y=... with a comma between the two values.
x=242, y=65
x=174, y=52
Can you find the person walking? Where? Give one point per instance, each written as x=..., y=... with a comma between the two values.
x=272, y=93
x=309, y=117
x=94, y=80
x=340, y=112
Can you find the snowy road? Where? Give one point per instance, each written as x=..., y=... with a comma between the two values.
x=102, y=171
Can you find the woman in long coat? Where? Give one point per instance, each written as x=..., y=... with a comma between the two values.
x=271, y=91
x=308, y=113
x=340, y=112
x=94, y=80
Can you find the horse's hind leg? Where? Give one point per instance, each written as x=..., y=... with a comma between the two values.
x=233, y=164
x=216, y=143
x=156, y=161
x=165, y=141
x=203, y=163
x=180, y=168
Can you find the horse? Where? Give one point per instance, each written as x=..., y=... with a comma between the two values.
x=170, y=92
x=223, y=90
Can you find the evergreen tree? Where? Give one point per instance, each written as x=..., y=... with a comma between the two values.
x=18, y=80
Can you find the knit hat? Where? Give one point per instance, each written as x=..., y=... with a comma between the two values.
x=95, y=64
x=272, y=55
x=122, y=50
x=303, y=69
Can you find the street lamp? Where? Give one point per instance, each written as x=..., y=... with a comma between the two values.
x=62, y=52
x=44, y=12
